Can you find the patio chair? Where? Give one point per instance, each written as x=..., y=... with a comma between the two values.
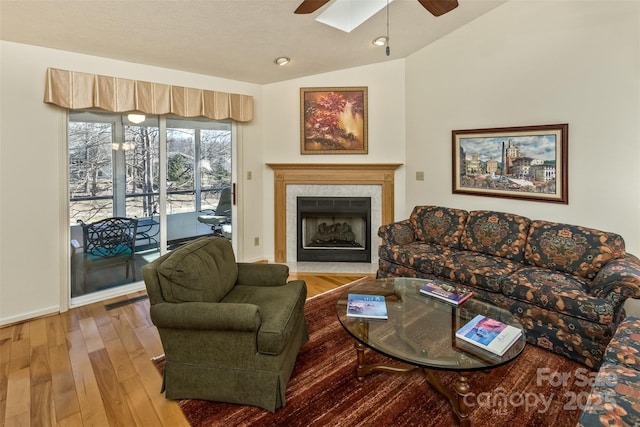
x=107, y=243
x=220, y=219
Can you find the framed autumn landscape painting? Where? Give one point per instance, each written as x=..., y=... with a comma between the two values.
x=333, y=120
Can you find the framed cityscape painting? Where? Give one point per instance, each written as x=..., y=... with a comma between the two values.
x=526, y=162
x=333, y=120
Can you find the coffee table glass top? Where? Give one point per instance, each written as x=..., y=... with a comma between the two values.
x=420, y=330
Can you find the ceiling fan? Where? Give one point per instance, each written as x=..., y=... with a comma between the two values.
x=436, y=7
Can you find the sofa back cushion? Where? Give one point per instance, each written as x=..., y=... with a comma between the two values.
x=204, y=270
x=442, y=226
x=496, y=233
x=573, y=249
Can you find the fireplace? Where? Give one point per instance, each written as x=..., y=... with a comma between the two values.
x=291, y=180
x=334, y=229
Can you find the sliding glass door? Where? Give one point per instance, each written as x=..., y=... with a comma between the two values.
x=168, y=174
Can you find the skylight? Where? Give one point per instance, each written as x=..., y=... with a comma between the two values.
x=346, y=15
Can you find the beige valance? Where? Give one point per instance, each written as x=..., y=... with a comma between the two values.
x=74, y=90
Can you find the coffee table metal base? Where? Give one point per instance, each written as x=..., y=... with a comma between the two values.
x=461, y=385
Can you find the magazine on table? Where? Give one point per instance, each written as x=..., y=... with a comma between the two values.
x=366, y=306
x=446, y=292
x=489, y=334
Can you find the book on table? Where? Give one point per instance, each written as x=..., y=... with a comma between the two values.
x=366, y=306
x=489, y=334
x=446, y=292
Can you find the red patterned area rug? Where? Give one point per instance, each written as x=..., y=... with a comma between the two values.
x=539, y=388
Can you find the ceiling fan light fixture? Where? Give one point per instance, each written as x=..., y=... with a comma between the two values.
x=136, y=118
x=283, y=60
x=380, y=41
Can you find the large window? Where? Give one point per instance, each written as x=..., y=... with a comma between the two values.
x=114, y=171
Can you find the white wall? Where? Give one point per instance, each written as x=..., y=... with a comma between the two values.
x=386, y=130
x=529, y=63
x=33, y=202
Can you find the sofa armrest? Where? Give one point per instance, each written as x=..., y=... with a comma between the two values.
x=397, y=233
x=206, y=316
x=618, y=280
x=255, y=274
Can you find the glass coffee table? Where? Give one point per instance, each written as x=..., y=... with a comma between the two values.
x=420, y=334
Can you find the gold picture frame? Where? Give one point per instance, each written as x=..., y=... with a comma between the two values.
x=333, y=120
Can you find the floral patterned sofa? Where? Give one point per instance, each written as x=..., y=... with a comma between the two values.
x=565, y=283
x=615, y=395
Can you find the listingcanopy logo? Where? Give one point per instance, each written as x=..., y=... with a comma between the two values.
x=499, y=400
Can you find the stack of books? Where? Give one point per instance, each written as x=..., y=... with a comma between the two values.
x=446, y=292
x=489, y=334
x=366, y=306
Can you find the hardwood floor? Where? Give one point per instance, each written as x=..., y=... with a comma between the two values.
x=92, y=365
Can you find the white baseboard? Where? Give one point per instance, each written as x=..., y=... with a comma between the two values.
x=30, y=315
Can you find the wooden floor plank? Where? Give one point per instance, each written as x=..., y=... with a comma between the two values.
x=92, y=337
x=139, y=403
x=42, y=408
x=89, y=398
x=39, y=365
x=65, y=397
x=18, y=396
x=37, y=332
x=113, y=396
x=55, y=331
x=120, y=360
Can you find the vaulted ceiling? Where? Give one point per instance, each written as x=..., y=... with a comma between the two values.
x=235, y=39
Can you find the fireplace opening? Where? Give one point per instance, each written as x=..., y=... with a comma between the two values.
x=334, y=229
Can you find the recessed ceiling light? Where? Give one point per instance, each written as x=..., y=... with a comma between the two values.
x=380, y=41
x=283, y=60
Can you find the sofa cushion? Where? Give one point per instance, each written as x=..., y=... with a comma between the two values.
x=201, y=271
x=280, y=310
x=614, y=399
x=475, y=269
x=496, y=233
x=442, y=226
x=417, y=256
x=573, y=249
x=557, y=291
x=624, y=348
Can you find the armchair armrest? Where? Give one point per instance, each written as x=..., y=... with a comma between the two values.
x=254, y=274
x=206, y=316
x=618, y=280
x=397, y=233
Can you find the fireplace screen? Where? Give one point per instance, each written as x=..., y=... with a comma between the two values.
x=334, y=229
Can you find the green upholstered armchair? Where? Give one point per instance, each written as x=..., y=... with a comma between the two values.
x=230, y=331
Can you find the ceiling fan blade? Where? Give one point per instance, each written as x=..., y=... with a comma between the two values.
x=310, y=6
x=439, y=7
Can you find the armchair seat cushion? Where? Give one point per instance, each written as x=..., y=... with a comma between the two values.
x=559, y=292
x=280, y=308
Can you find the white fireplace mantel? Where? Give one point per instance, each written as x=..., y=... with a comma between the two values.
x=381, y=174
